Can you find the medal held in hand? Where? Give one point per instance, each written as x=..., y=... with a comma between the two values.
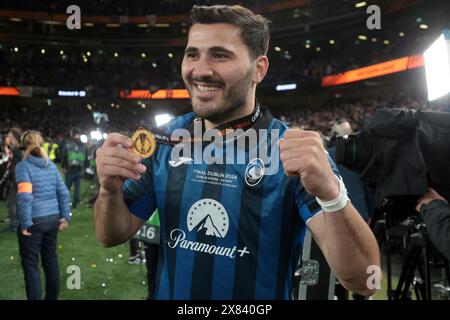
x=144, y=143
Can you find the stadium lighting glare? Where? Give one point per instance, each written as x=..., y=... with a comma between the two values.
x=360, y=4
x=386, y=42
x=437, y=66
x=116, y=54
x=285, y=87
x=143, y=55
x=332, y=41
x=88, y=53
x=307, y=46
x=162, y=119
x=83, y=138
x=318, y=49
x=105, y=135
x=401, y=34
x=16, y=49
x=278, y=49
x=61, y=52
x=96, y=135
x=362, y=37
x=374, y=39
x=170, y=55
x=423, y=26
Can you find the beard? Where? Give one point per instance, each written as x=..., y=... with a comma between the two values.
x=230, y=101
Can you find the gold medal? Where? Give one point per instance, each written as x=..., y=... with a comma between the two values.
x=144, y=143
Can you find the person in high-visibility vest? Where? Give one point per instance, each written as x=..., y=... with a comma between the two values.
x=54, y=151
x=46, y=146
x=51, y=148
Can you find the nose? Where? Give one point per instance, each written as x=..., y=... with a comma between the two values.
x=202, y=69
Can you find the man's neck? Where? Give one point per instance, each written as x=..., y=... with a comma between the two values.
x=239, y=113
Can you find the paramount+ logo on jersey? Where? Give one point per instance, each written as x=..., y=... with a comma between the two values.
x=207, y=217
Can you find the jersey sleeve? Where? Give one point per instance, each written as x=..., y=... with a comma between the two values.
x=139, y=194
x=307, y=205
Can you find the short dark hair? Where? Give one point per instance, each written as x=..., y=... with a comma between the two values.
x=16, y=132
x=255, y=29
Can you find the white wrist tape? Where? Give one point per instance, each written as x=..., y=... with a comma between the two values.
x=338, y=203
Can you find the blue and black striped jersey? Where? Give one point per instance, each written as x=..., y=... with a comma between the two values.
x=223, y=234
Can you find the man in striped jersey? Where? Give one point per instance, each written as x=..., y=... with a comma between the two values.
x=232, y=229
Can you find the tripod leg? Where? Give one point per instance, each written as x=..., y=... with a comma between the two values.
x=426, y=264
x=407, y=274
x=419, y=287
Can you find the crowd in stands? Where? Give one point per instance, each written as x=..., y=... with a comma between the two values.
x=102, y=72
x=106, y=72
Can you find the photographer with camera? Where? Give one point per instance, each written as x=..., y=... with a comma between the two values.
x=435, y=211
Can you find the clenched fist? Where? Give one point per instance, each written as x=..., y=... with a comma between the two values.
x=302, y=154
x=115, y=163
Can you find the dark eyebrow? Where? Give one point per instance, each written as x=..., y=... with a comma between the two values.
x=211, y=50
x=190, y=50
x=221, y=50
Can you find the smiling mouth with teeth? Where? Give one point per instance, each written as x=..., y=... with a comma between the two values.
x=206, y=88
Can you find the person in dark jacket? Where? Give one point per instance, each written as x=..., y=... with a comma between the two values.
x=358, y=192
x=435, y=211
x=74, y=160
x=15, y=155
x=43, y=208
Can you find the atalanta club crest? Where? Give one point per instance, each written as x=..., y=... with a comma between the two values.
x=254, y=172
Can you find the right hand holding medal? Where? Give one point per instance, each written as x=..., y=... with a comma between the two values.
x=115, y=162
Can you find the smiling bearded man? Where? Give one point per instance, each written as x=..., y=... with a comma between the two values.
x=232, y=231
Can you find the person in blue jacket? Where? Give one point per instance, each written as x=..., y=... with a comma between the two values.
x=43, y=208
